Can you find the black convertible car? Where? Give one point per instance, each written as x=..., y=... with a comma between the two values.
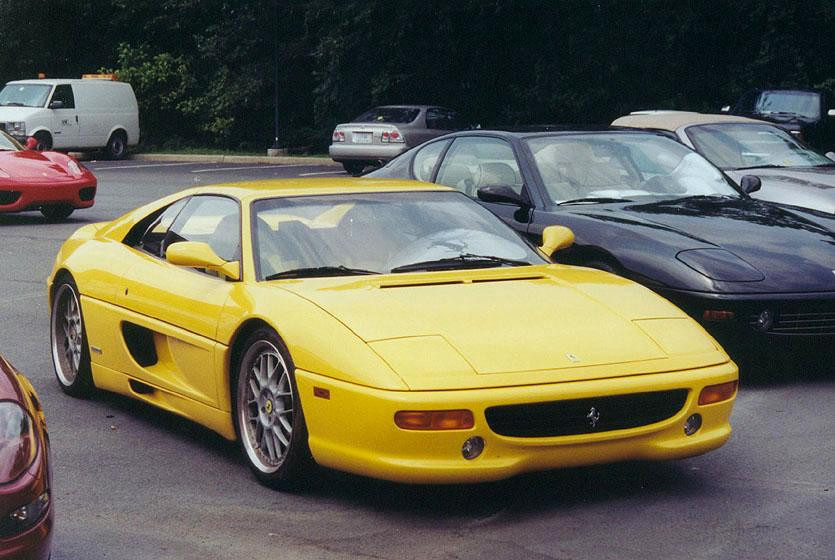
x=757, y=275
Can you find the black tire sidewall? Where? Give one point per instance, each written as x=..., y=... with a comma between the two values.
x=115, y=139
x=295, y=470
x=83, y=385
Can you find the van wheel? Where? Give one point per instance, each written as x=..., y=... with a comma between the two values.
x=44, y=141
x=117, y=146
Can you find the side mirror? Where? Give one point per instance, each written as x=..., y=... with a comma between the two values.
x=555, y=238
x=31, y=143
x=56, y=104
x=197, y=254
x=750, y=183
x=501, y=194
x=831, y=155
x=726, y=109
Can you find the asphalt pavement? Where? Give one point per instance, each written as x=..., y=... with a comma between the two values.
x=133, y=482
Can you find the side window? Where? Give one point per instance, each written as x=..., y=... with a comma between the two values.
x=442, y=119
x=215, y=220
x=426, y=158
x=472, y=163
x=151, y=240
x=64, y=94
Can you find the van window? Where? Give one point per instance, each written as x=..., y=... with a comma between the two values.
x=64, y=94
x=24, y=95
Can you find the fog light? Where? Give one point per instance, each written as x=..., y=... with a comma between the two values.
x=692, y=424
x=472, y=448
x=765, y=320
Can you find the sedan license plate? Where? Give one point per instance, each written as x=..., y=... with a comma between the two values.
x=361, y=137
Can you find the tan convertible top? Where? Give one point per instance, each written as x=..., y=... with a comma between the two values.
x=673, y=120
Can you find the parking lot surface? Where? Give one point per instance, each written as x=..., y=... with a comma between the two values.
x=133, y=482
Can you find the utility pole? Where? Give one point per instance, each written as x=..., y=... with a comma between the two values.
x=275, y=150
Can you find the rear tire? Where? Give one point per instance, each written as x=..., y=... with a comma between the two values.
x=56, y=212
x=68, y=338
x=117, y=146
x=353, y=167
x=267, y=412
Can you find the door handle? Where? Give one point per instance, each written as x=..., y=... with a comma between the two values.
x=76, y=119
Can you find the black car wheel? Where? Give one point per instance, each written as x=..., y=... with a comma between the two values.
x=353, y=167
x=117, y=146
x=55, y=212
x=44, y=141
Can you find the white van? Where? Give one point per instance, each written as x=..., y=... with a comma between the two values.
x=87, y=114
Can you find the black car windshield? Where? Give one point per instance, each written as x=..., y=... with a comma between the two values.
x=801, y=103
x=401, y=115
x=24, y=95
x=8, y=143
x=749, y=145
x=598, y=168
x=368, y=233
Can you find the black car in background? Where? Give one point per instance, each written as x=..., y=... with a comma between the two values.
x=757, y=275
x=806, y=113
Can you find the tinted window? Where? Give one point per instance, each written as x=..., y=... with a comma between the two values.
x=24, y=95
x=211, y=219
x=65, y=95
x=442, y=119
x=389, y=115
x=472, y=163
x=151, y=240
x=426, y=158
x=731, y=146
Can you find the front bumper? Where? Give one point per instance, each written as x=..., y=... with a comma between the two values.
x=365, y=152
x=353, y=430
x=35, y=542
x=18, y=197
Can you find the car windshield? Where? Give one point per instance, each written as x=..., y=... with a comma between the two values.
x=801, y=103
x=24, y=95
x=400, y=115
x=590, y=168
x=368, y=233
x=744, y=145
x=8, y=143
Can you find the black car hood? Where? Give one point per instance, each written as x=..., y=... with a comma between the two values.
x=815, y=177
x=794, y=249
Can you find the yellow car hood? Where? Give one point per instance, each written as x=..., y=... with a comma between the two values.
x=515, y=326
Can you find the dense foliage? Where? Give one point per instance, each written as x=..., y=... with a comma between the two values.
x=203, y=70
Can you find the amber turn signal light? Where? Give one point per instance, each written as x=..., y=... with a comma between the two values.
x=434, y=419
x=717, y=393
x=717, y=315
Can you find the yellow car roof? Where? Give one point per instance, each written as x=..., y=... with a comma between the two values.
x=270, y=188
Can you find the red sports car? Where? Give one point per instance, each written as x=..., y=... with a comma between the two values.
x=25, y=498
x=52, y=182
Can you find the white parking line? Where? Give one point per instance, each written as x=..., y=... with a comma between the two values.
x=264, y=166
x=116, y=167
x=322, y=173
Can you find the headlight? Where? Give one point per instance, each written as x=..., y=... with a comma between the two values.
x=24, y=517
x=74, y=168
x=16, y=128
x=720, y=264
x=18, y=442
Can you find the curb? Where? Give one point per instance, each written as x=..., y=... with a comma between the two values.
x=220, y=158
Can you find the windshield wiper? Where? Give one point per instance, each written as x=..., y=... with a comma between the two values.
x=314, y=271
x=12, y=104
x=593, y=200
x=769, y=166
x=464, y=260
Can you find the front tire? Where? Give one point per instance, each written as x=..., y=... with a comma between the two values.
x=268, y=416
x=56, y=212
x=68, y=337
x=44, y=141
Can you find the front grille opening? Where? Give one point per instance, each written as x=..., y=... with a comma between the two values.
x=87, y=193
x=585, y=416
x=9, y=197
x=809, y=319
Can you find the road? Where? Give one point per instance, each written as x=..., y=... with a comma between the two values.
x=132, y=482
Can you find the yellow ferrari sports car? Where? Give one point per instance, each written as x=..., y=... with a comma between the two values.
x=388, y=328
